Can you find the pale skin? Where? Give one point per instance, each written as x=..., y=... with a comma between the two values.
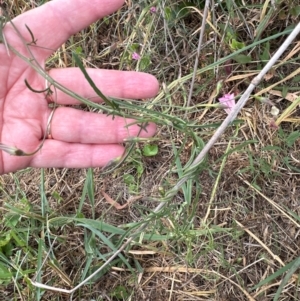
x=80, y=139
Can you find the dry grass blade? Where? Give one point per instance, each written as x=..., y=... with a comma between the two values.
x=206, y=7
x=273, y=204
x=275, y=257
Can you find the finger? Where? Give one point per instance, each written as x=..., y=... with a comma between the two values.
x=54, y=22
x=71, y=125
x=112, y=83
x=73, y=155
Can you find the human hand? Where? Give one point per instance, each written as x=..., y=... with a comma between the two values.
x=79, y=139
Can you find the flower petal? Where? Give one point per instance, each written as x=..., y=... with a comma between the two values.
x=228, y=101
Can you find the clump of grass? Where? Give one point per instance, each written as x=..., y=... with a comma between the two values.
x=230, y=230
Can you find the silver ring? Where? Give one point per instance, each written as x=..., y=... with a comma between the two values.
x=49, y=135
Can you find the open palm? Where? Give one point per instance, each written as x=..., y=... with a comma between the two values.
x=79, y=139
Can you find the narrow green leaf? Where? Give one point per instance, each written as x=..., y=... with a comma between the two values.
x=239, y=147
x=292, y=213
x=98, y=224
x=112, y=104
x=271, y=148
x=284, y=92
x=275, y=275
x=39, y=267
x=107, y=242
x=44, y=201
x=287, y=277
x=90, y=189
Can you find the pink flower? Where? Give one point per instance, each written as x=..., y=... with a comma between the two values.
x=228, y=102
x=153, y=10
x=136, y=56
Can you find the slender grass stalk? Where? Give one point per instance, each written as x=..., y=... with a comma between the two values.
x=206, y=7
x=236, y=109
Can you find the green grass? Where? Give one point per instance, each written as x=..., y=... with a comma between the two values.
x=230, y=230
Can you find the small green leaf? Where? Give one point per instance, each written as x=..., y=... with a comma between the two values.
x=78, y=50
x=120, y=292
x=106, y=20
x=144, y=62
x=5, y=239
x=134, y=47
x=8, y=249
x=168, y=13
x=139, y=169
x=295, y=11
x=129, y=179
x=150, y=150
x=79, y=215
x=242, y=59
x=292, y=138
x=296, y=79
x=5, y=274
x=265, y=56
x=56, y=196
x=236, y=45
x=11, y=220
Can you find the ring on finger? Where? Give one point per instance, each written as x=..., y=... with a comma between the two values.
x=49, y=135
